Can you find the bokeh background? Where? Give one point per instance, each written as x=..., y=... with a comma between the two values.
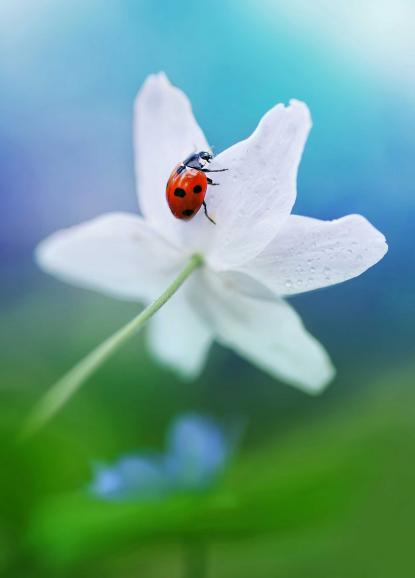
x=319, y=487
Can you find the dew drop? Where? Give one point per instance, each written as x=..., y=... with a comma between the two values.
x=288, y=284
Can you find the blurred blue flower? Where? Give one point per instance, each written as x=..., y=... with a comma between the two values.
x=196, y=453
x=130, y=477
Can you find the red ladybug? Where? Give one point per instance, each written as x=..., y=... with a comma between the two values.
x=187, y=185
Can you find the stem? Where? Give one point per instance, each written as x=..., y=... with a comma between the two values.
x=55, y=398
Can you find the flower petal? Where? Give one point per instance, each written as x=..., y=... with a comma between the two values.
x=165, y=133
x=197, y=451
x=270, y=334
x=118, y=254
x=179, y=338
x=258, y=191
x=308, y=254
x=131, y=478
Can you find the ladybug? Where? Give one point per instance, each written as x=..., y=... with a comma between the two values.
x=187, y=185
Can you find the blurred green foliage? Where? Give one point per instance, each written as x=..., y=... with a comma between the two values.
x=320, y=486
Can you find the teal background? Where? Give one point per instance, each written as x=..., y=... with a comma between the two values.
x=320, y=486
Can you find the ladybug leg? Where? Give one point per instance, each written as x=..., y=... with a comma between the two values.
x=210, y=182
x=214, y=171
x=206, y=213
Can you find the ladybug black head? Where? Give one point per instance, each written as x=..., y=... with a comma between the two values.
x=198, y=160
x=205, y=156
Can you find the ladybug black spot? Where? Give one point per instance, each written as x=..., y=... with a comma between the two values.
x=179, y=193
x=197, y=189
x=188, y=212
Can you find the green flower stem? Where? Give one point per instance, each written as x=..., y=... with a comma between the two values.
x=56, y=397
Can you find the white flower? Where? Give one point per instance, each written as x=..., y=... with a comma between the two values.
x=257, y=253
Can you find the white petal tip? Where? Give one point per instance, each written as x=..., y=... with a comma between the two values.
x=318, y=371
x=156, y=91
x=44, y=254
x=320, y=384
x=300, y=108
x=295, y=108
x=155, y=83
x=371, y=239
x=157, y=78
x=295, y=117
